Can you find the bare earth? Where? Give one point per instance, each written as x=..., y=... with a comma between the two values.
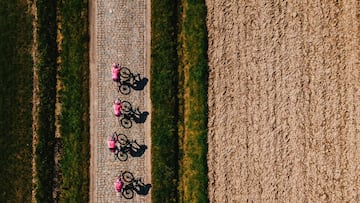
x=119, y=33
x=284, y=101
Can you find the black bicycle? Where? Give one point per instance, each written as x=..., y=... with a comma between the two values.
x=129, y=115
x=125, y=146
x=132, y=184
x=114, y=146
x=125, y=178
x=127, y=80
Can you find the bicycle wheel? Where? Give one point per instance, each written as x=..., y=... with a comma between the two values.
x=126, y=106
x=124, y=73
x=127, y=176
x=124, y=89
x=122, y=139
x=126, y=123
x=122, y=156
x=128, y=193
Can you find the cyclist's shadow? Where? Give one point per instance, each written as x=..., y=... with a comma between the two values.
x=143, y=189
x=140, y=117
x=138, y=151
x=139, y=84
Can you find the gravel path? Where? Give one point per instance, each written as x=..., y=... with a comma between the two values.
x=119, y=33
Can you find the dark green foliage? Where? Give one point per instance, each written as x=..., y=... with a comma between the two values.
x=164, y=83
x=74, y=119
x=46, y=69
x=16, y=101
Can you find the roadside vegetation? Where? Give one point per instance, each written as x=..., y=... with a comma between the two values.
x=16, y=79
x=74, y=100
x=193, y=136
x=62, y=38
x=46, y=70
x=179, y=74
x=164, y=82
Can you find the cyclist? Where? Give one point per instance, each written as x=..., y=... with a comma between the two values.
x=115, y=72
x=112, y=144
x=117, y=107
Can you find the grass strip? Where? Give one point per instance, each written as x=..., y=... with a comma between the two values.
x=193, y=139
x=179, y=95
x=16, y=101
x=46, y=69
x=164, y=81
x=74, y=98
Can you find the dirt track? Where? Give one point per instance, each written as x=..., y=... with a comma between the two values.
x=284, y=101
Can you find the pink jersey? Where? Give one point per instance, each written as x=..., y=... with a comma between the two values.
x=118, y=185
x=115, y=73
x=111, y=144
x=117, y=109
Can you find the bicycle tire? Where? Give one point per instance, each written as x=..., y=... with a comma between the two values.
x=125, y=73
x=122, y=139
x=126, y=106
x=128, y=177
x=128, y=193
x=122, y=156
x=126, y=123
x=124, y=89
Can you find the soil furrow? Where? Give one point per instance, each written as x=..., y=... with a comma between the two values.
x=283, y=101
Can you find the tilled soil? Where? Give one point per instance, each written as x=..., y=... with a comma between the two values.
x=284, y=101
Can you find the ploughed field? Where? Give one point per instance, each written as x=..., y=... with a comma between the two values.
x=284, y=101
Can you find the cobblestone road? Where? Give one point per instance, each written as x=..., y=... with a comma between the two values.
x=119, y=34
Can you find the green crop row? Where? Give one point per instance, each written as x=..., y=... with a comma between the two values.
x=68, y=19
x=194, y=68
x=46, y=69
x=16, y=85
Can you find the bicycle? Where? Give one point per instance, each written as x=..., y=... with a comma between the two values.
x=119, y=74
x=131, y=185
x=114, y=146
x=121, y=184
x=121, y=146
x=129, y=115
x=124, y=79
x=130, y=80
x=121, y=107
x=126, y=146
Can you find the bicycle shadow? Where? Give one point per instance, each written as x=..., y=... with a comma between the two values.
x=139, y=84
x=138, y=151
x=140, y=117
x=143, y=189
